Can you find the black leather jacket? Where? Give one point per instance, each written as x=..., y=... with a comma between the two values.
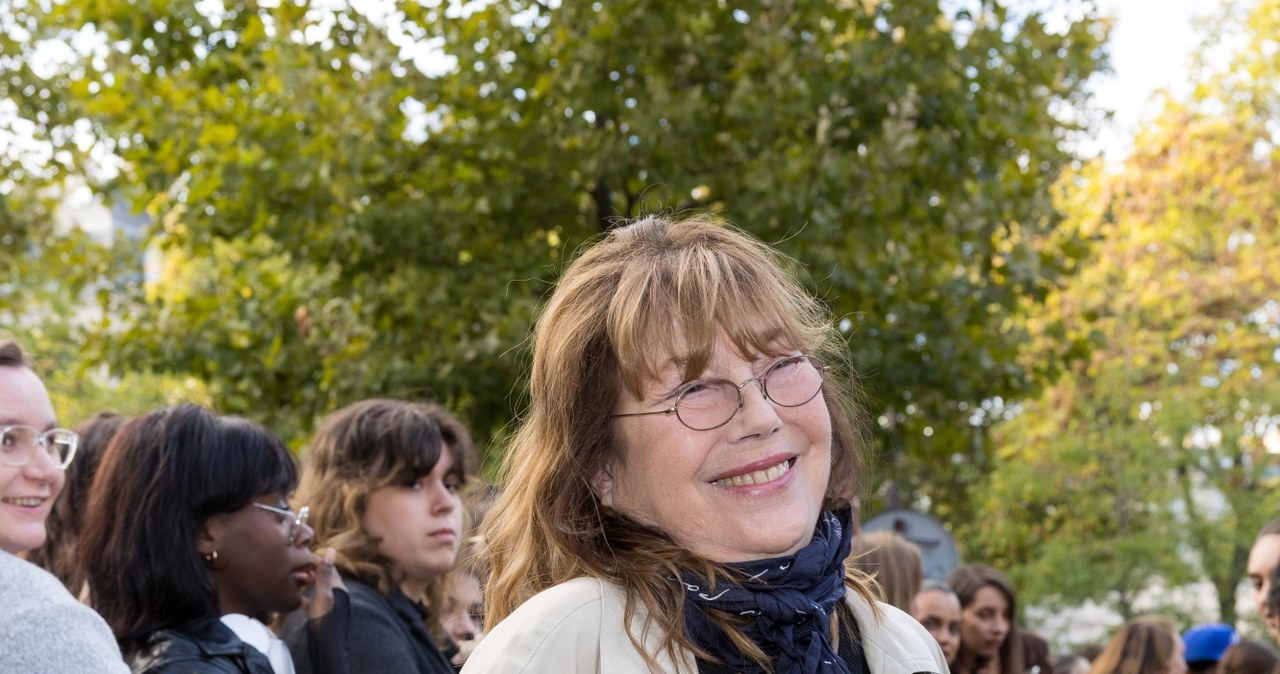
x=201, y=647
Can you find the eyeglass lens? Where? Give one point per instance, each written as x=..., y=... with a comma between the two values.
x=790, y=382
x=18, y=444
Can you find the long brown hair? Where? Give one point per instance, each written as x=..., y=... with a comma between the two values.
x=640, y=291
x=359, y=449
x=59, y=554
x=893, y=561
x=966, y=581
x=1143, y=646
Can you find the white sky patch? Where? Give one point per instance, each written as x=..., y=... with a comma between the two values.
x=1151, y=46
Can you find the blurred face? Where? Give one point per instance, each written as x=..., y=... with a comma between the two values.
x=985, y=622
x=1262, y=561
x=939, y=612
x=27, y=492
x=258, y=569
x=750, y=489
x=464, y=608
x=418, y=525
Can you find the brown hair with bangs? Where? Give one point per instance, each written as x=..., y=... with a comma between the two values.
x=363, y=447
x=638, y=293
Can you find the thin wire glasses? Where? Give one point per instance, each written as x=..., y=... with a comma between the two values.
x=707, y=404
x=295, y=520
x=18, y=444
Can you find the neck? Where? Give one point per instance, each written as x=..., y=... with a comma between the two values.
x=413, y=588
x=971, y=663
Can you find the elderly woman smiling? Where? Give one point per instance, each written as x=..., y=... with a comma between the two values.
x=677, y=498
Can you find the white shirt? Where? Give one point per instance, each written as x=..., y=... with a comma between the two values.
x=254, y=633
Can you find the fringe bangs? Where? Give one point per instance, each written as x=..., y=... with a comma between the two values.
x=676, y=303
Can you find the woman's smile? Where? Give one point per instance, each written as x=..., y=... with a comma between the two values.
x=753, y=477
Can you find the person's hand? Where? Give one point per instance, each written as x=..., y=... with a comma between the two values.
x=327, y=579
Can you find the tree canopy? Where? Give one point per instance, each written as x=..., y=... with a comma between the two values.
x=348, y=203
x=1154, y=459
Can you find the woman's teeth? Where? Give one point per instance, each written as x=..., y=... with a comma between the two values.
x=25, y=502
x=757, y=477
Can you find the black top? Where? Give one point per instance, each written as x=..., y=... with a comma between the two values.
x=200, y=647
x=385, y=635
x=850, y=648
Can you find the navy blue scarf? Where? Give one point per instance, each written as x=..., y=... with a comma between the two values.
x=792, y=599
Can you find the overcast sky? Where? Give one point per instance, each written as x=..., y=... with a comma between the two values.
x=1151, y=43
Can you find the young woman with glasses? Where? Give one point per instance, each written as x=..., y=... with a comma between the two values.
x=678, y=495
x=189, y=545
x=45, y=629
x=383, y=479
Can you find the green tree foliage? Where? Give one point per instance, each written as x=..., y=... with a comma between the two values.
x=1160, y=441
x=338, y=224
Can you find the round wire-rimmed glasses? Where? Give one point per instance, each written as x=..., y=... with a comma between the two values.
x=295, y=520
x=18, y=445
x=708, y=404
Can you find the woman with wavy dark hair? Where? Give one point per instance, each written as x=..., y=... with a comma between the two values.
x=189, y=533
x=990, y=642
x=678, y=496
x=383, y=478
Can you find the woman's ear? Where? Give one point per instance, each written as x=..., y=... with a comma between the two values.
x=602, y=485
x=210, y=535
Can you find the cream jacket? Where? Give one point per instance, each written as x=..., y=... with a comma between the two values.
x=576, y=628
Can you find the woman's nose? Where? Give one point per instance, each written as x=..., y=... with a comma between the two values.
x=41, y=467
x=758, y=415
x=304, y=536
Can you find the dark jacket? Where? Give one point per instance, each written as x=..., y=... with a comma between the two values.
x=201, y=647
x=385, y=635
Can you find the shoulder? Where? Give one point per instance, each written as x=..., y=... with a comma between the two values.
x=46, y=629
x=173, y=652
x=559, y=629
x=894, y=642
x=203, y=647
x=366, y=598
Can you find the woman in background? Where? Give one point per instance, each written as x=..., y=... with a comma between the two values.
x=989, y=638
x=938, y=608
x=1142, y=646
x=44, y=628
x=188, y=532
x=383, y=478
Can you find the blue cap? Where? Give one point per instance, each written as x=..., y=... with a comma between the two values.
x=1208, y=642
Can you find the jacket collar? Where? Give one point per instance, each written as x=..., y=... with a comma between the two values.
x=893, y=642
x=212, y=637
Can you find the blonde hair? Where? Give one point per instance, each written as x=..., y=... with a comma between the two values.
x=645, y=289
x=1143, y=646
x=893, y=561
x=361, y=448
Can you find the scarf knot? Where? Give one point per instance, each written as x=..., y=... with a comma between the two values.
x=788, y=602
